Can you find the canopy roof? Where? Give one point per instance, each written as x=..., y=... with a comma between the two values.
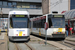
x=70, y=14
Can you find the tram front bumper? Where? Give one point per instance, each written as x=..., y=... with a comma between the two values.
x=58, y=35
x=19, y=38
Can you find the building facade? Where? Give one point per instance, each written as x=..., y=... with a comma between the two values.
x=34, y=7
x=55, y=5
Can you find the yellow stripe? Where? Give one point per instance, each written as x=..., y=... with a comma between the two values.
x=39, y=31
x=59, y=29
x=0, y=30
x=20, y=33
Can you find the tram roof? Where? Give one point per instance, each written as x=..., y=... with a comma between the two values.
x=18, y=11
x=70, y=14
x=42, y=17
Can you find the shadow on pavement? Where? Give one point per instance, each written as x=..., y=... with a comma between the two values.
x=50, y=39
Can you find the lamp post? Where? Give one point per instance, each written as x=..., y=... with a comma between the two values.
x=1, y=16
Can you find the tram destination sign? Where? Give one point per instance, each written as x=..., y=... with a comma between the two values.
x=19, y=15
x=57, y=15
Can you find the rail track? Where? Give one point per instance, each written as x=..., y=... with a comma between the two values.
x=20, y=46
x=26, y=46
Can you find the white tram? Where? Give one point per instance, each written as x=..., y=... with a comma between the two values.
x=56, y=28
x=18, y=25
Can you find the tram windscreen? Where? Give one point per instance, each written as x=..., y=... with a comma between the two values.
x=19, y=22
x=58, y=22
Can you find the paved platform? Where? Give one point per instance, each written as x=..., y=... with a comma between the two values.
x=71, y=38
x=3, y=42
x=2, y=36
x=58, y=45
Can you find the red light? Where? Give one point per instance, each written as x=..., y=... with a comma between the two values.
x=62, y=32
x=16, y=34
x=23, y=34
x=56, y=32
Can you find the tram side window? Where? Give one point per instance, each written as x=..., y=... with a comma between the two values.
x=34, y=24
x=39, y=23
x=30, y=24
x=50, y=23
x=43, y=23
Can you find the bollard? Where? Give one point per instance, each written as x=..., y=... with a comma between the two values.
x=6, y=31
x=0, y=31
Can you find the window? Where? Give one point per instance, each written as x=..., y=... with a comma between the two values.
x=14, y=4
x=31, y=6
x=58, y=22
x=19, y=22
x=27, y=5
x=23, y=5
x=49, y=22
x=19, y=5
x=43, y=22
x=4, y=4
x=39, y=23
x=5, y=16
x=38, y=6
x=72, y=5
x=9, y=4
x=0, y=3
x=35, y=5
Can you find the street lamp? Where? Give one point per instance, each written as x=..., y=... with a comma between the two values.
x=1, y=12
x=1, y=16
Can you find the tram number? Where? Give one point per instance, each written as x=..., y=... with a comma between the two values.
x=59, y=29
x=20, y=33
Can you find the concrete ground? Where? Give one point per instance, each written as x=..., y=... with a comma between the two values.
x=3, y=42
x=71, y=38
x=36, y=43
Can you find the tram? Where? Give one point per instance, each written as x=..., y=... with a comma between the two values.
x=18, y=25
x=56, y=25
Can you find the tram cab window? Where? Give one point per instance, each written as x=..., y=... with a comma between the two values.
x=11, y=24
x=49, y=22
x=19, y=22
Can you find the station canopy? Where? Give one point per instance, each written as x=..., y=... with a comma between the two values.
x=70, y=14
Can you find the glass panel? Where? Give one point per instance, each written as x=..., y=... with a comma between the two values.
x=31, y=6
x=4, y=4
x=19, y=5
x=9, y=4
x=58, y=22
x=14, y=4
x=23, y=5
x=38, y=6
x=34, y=6
x=20, y=22
x=72, y=5
x=27, y=5
x=0, y=2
